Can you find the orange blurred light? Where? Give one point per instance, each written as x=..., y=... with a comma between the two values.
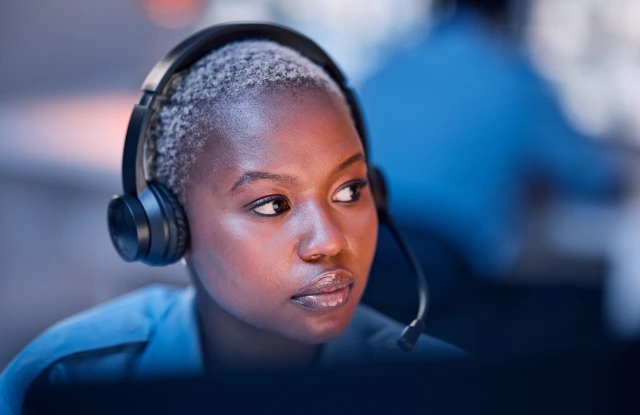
x=173, y=14
x=83, y=131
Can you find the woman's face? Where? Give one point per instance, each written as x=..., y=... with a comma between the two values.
x=283, y=226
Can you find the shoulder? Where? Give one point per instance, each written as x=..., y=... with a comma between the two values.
x=381, y=334
x=110, y=332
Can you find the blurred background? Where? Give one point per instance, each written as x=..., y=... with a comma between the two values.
x=509, y=132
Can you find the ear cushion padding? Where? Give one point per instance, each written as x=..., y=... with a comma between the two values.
x=178, y=227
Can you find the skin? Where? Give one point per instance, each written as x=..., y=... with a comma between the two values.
x=246, y=267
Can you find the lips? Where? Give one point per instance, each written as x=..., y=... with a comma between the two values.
x=330, y=290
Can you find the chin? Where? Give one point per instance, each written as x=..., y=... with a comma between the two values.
x=323, y=329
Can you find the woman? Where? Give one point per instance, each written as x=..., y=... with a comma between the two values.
x=257, y=143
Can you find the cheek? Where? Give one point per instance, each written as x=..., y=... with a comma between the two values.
x=241, y=263
x=362, y=236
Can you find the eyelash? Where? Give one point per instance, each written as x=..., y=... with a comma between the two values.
x=359, y=185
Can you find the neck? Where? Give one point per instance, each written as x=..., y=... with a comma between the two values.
x=229, y=343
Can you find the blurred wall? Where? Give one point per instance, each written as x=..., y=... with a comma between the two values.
x=57, y=257
x=67, y=46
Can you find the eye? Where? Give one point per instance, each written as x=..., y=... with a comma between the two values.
x=271, y=206
x=351, y=192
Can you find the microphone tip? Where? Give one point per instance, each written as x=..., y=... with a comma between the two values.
x=410, y=335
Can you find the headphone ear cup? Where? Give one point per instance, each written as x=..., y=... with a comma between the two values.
x=128, y=227
x=176, y=224
x=379, y=189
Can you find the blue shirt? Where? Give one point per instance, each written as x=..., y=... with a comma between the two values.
x=153, y=332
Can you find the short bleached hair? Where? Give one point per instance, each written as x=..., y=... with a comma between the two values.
x=176, y=134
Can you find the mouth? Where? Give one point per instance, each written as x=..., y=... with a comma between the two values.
x=329, y=291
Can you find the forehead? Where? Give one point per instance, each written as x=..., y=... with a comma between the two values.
x=277, y=127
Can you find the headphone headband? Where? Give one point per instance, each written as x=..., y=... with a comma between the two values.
x=194, y=48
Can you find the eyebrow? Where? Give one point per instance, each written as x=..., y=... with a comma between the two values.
x=359, y=156
x=252, y=176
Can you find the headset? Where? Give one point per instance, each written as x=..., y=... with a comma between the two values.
x=148, y=224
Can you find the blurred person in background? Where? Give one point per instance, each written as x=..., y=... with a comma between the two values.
x=480, y=127
x=467, y=133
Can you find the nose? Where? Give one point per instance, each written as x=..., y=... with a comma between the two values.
x=321, y=236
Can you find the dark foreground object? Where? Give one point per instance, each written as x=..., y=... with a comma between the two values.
x=602, y=381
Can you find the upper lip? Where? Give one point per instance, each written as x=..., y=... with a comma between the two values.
x=328, y=281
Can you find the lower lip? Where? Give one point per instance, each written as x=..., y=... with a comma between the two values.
x=325, y=301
